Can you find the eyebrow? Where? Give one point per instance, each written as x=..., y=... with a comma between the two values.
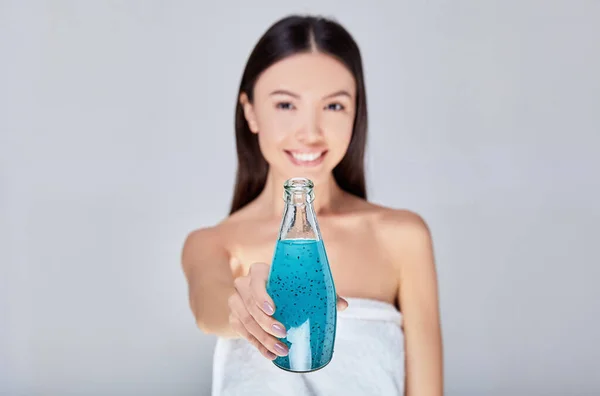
x=295, y=95
x=342, y=92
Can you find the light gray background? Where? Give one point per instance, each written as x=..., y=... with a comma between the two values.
x=116, y=122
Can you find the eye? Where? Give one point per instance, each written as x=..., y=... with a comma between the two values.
x=284, y=106
x=335, y=107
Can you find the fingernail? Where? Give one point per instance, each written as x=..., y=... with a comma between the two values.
x=281, y=349
x=268, y=308
x=280, y=331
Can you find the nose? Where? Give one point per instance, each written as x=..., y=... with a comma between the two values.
x=310, y=131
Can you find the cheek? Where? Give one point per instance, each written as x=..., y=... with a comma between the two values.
x=268, y=142
x=277, y=125
x=272, y=134
x=338, y=133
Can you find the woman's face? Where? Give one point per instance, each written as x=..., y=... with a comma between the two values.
x=303, y=112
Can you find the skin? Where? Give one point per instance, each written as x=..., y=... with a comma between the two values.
x=306, y=103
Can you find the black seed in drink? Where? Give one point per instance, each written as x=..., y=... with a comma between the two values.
x=299, y=311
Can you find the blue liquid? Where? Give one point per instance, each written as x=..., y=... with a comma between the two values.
x=301, y=286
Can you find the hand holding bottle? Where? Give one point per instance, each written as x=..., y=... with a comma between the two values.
x=251, y=308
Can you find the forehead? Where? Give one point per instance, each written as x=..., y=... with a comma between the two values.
x=306, y=74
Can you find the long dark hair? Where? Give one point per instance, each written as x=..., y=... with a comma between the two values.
x=291, y=35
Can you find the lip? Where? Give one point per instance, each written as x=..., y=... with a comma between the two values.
x=298, y=162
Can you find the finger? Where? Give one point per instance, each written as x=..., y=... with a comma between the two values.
x=264, y=338
x=243, y=288
x=261, y=305
x=342, y=303
x=259, y=272
x=250, y=325
x=237, y=326
x=266, y=322
x=240, y=284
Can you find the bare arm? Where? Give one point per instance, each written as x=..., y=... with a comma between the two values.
x=205, y=263
x=227, y=307
x=418, y=298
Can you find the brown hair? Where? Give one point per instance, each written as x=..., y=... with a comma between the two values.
x=291, y=35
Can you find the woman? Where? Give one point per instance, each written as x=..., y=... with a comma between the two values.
x=302, y=111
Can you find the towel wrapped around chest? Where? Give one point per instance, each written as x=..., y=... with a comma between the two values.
x=368, y=359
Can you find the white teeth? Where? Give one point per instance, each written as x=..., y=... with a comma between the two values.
x=306, y=157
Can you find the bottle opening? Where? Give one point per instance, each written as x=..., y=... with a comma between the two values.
x=298, y=190
x=298, y=184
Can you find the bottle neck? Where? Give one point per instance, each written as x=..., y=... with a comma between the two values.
x=299, y=220
x=304, y=196
x=329, y=196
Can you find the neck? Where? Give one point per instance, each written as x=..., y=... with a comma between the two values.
x=327, y=194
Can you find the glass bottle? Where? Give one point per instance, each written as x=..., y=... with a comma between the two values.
x=301, y=285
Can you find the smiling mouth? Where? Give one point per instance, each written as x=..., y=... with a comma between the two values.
x=304, y=158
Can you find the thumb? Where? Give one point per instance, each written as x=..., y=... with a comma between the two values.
x=342, y=304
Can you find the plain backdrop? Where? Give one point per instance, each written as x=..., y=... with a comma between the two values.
x=116, y=121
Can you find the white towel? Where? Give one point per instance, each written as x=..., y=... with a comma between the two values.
x=368, y=360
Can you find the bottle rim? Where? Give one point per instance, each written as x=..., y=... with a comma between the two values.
x=298, y=184
x=298, y=187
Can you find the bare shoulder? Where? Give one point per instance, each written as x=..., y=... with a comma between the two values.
x=213, y=241
x=403, y=233
x=397, y=222
x=215, y=234
x=202, y=243
x=398, y=230
x=202, y=237
x=404, y=223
